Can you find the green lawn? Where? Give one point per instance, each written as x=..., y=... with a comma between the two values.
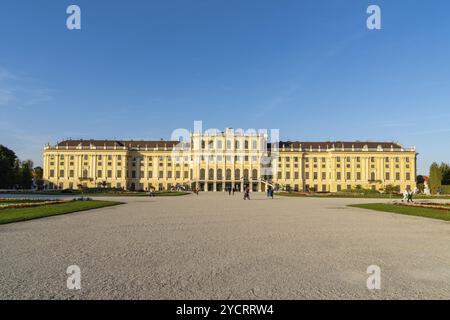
x=22, y=214
x=412, y=211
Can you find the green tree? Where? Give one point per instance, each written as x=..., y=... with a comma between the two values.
x=445, y=170
x=435, y=181
x=7, y=161
x=26, y=174
x=38, y=174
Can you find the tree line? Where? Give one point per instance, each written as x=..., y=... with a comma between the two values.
x=17, y=174
x=439, y=178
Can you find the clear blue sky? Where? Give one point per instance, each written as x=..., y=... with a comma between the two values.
x=139, y=69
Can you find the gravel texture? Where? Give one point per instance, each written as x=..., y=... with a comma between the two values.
x=215, y=246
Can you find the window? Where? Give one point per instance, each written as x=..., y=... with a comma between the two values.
x=408, y=176
x=219, y=144
x=119, y=174
x=315, y=175
x=338, y=187
x=178, y=175
x=61, y=173
x=358, y=176
x=397, y=176
x=254, y=174
x=71, y=173
x=211, y=174
x=324, y=176
x=254, y=144
x=150, y=174
x=228, y=144
x=246, y=144
x=161, y=174
x=141, y=174
x=228, y=174
x=349, y=175
x=387, y=176
x=99, y=173
x=133, y=174
x=338, y=176
x=109, y=173
x=99, y=157
x=202, y=174
x=372, y=176
x=288, y=175
x=306, y=175
x=169, y=174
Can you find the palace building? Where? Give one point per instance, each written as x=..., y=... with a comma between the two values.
x=230, y=159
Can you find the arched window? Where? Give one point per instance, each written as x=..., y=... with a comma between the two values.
x=245, y=173
x=237, y=145
x=255, y=174
x=219, y=174
x=202, y=174
x=228, y=174
x=237, y=174
x=211, y=174
x=228, y=144
x=85, y=174
x=246, y=144
x=372, y=176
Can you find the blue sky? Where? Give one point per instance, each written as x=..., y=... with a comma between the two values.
x=140, y=69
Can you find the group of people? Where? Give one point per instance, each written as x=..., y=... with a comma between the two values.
x=408, y=195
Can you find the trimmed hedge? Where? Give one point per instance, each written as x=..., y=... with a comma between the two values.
x=446, y=189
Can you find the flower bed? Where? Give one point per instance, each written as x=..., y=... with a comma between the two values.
x=437, y=206
x=25, y=203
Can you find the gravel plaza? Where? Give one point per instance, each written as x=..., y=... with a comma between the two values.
x=216, y=246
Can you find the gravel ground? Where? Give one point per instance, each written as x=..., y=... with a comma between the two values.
x=219, y=247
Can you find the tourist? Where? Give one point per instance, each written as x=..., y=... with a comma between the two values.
x=271, y=193
x=405, y=195
x=410, y=195
x=247, y=193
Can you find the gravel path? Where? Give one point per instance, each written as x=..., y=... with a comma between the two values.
x=219, y=247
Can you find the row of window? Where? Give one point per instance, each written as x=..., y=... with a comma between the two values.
x=315, y=176
x=338, y=159
x=237, y=144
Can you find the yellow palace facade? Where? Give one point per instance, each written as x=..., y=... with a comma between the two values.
x=231, y=159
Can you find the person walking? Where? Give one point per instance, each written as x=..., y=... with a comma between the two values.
x=234, y=190
x=410, y=195
x=271, y=193
x=247, y=193
x=405, y=195
x=229, y=191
